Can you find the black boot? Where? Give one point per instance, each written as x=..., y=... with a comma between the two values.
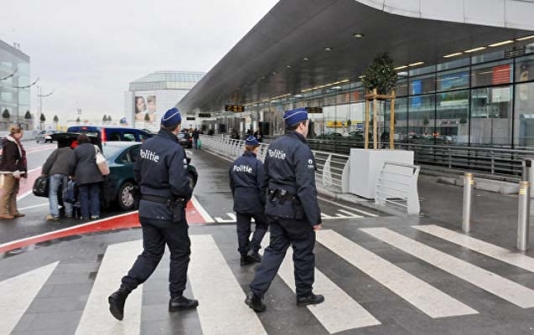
x=254, y=255
x=246, y=260
x=310, y=299
x=116, y=302
x=182, y=303
x=255, y=302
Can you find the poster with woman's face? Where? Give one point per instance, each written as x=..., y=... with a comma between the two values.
x=145, y=108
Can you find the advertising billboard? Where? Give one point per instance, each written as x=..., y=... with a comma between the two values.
x=145, y=108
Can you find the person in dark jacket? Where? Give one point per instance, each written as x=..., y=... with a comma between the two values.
x=196, y=135
x=13, y=167
x=247, y=182
x=82, y=166
x=161, y=172
x=292, y=211
x=56, y=168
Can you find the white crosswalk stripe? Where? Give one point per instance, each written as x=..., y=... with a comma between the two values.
x=480, y=246
x=339, y=311
x=221, y=309
x=96, y=318
x=420, y=294
x=486, y=280
x=18, y=292
x=219, y=285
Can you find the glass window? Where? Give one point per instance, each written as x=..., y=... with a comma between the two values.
x=421, y=114
x=488, y=57
x=524, y=115
x=452, y=114
x=492, y=74
x=402, y=88
x=524, y=69
x=401, y=118
x=453, y=80
x=422, y=85
x=491, y=110
x=454, y=64
x=422, y=70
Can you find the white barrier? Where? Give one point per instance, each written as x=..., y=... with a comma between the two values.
x=397, y=184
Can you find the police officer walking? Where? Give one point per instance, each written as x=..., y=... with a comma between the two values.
x=247, y=182
x=292, y=212
x=161, y=172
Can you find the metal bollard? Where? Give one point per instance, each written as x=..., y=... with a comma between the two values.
x=524, y=215
x=468, y=187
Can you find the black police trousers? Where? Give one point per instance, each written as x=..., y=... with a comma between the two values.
x=243, y=232
x=157, y=233
x=301, y=236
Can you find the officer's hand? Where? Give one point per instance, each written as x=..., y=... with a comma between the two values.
x=317, y=227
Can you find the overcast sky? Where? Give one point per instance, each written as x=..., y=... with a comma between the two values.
x=89, y=51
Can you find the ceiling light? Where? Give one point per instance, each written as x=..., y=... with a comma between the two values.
x=453, y=55
x=525, y=38
x=401, y=67
x=361, y=77
x=475, y=49
x=357, y=35
x=305, y=59
x=274, y=72
x=416, y=64
x=328, y=49
x=501, y=43
x=298, y=95
x=288, y=66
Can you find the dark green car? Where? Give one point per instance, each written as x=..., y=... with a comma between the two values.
x=119, y=184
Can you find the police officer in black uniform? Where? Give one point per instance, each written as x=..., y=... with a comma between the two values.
x=292, y=212
x=161, y=172
x=247, y=182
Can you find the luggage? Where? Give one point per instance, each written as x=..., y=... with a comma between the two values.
x=101, y=162
x=69, y=192
x=41, y=186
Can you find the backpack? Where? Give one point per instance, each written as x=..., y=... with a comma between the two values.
x=40, y=186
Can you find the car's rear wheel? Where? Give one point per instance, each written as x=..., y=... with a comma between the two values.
x=125, y=197
x=192, y=181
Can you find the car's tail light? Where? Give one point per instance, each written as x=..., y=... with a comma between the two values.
x=103, y=134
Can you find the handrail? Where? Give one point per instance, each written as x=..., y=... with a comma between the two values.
x=401, y=194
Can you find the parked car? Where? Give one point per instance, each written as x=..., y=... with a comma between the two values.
x=107, y=134
x=45, y=136
x=185, y=139
x=119, y=184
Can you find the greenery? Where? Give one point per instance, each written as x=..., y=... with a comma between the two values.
x=147, y=117
x=28, y=115
x=104, y=118
x=43, y=118
x=78, y=119
x=109, y=118
x=425, y=121
x=56, y=119
x=349, y=123
x=463, y=120
x=5, y=114
x=380, y=74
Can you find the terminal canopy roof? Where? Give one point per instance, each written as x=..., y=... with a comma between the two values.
x=287, y=51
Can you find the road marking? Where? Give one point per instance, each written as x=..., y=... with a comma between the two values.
x=96, y=318
x=486, y=280
x=480, y=246
x=347, y=207
x=221, y=299
x=30, y=207
x=420, y=294
x=339, y=312
x=18, y=293
x=349, y=213
x=201, y=210
x=232, y=216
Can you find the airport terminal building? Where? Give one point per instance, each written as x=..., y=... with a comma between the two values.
x=14, y=77
x=465, y=69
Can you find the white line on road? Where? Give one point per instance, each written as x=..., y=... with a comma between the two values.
x=232, y=216
x=486, y=280
x=339, y=312
x=221, y=299
x=480, y=246
x=18, y=293
x=420, y=294
x=201, y=210
x=347, y=207
x=30, y=207
x=96, y=318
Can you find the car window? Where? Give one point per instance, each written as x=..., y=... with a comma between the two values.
x=129, y=137
x=134, y=153
x=144, y=137
x=116, y=136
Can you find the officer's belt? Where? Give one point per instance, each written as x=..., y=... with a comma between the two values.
x=154, y=198
x=277, y=194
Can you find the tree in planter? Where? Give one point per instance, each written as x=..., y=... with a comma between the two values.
x=109, y=118
x=56, y=120
x=5, y=114
x=78, y=119
x=147, y=118
x=104, y=119
x=425, y=122
x=43, y=120
x=28, y=116
x=380, y=78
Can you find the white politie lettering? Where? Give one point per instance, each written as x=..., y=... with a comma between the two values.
x=278, y=154
x=150, y=155
x=243, y=168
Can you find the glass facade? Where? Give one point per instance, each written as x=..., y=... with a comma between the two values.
x=167, y=81
x=482, y=100
x=14, y=73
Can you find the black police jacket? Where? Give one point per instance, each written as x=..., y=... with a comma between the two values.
x=290, y=169
x=247, y=182
x=161, y=170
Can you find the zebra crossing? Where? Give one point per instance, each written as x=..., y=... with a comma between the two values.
x=221, y=291
x=338, y=214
